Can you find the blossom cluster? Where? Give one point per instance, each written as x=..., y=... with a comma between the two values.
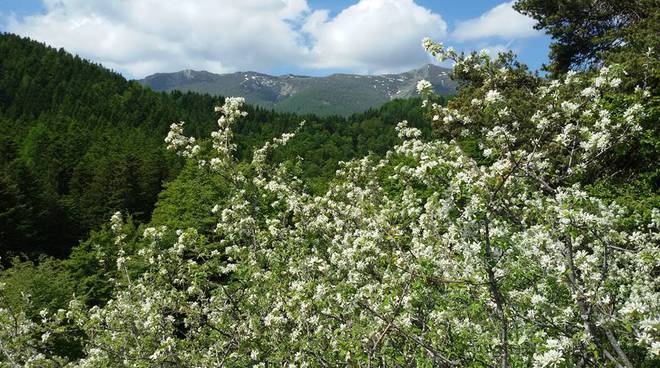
x=427, y=256
x=184, y=146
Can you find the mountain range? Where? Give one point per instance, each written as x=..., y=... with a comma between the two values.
x=336, y=94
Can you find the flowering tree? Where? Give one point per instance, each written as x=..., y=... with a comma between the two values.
x=428, y=256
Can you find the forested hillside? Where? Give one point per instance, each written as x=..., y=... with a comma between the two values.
x=79, y=142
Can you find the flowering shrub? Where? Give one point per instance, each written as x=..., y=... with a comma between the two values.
x=427, y=256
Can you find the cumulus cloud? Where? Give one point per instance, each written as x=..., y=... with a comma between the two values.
x=373, y=36
x=139, y=37
x=501, y=21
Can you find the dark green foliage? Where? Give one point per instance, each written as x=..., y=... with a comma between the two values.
x=78, y=142
x=29, y=217
x=586, y=32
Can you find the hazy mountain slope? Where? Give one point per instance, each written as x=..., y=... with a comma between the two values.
x=340, y=94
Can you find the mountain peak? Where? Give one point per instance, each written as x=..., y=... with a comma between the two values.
x=339, y=94
x=188, y=73
x=431, y=68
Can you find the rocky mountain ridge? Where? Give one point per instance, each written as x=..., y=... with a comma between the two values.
x=339, y=94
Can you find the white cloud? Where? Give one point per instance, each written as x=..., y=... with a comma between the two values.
x=140, y=37
x=501, y=21
x=373, y=36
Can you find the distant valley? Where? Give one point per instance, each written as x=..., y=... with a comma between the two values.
x=337, y=94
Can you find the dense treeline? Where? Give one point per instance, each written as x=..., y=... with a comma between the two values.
x=78, y=142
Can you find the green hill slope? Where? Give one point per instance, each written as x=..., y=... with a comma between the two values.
x=78, y=142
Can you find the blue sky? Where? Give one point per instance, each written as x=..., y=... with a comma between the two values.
x=315, y=37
